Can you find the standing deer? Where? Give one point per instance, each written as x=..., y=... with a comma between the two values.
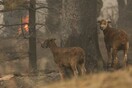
x=73, y=57
x=115, y=40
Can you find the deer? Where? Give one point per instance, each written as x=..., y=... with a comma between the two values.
x=115, y=40
x=73, y=57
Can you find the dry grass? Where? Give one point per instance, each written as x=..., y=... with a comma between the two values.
x=118, y=79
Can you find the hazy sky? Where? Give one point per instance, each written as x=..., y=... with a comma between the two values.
x=109, y=10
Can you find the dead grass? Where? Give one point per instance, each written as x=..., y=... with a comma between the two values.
x=118, y=79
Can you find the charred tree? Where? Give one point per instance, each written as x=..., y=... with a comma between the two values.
x=79, y=17
x=125, y=13
x=121, y=6
x=53, y=18
x=32, y=37
x=89, y=35
x=76, y=21
x=129, y=13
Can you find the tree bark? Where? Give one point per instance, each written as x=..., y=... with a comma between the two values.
x=78, y=27
x=79, y=18
x=32, y=38
x=121, y=6
x=125, y=14
x=53, y=18
x=128, y=13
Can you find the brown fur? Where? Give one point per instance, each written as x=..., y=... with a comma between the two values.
x=115, y=40
x=73, y=57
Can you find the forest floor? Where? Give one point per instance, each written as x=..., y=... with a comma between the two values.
x=117, y=79
x=14, y=70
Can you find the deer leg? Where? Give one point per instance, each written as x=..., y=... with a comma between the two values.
x=83, y=69
x=109, y=53
x=125, y=54
x=75, y=70
x=125, y=59
x=61, y=72
x=114, y=58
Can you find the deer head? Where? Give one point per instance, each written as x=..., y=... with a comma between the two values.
x=103, y=24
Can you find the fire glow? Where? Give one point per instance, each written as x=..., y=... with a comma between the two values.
x=24, y=27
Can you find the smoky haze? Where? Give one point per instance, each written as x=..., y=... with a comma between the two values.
x=14, y=48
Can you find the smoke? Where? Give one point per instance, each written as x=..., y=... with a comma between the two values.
x=109, y=11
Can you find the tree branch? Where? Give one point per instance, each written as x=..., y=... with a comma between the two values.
x=1, y=11
x=8, y=25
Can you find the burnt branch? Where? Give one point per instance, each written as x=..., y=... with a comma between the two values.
x=10, y=10
x=5, y=25
x=8, y=25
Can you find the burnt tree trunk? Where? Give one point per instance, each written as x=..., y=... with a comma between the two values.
x=76, y=22
x=121, y=6
x=32, y=38
x=79, y=18
x=53, y=18
x=128, y=14
x=125, y=13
